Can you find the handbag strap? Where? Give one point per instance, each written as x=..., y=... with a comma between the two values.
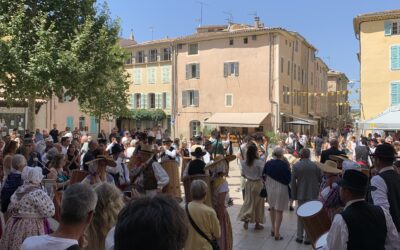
x=198, y=230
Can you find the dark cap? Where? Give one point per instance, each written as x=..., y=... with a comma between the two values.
x=116, y=149
x=198, y=152
x=354, y=180
x=385, y=151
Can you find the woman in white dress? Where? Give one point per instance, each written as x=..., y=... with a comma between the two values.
x=277, y=175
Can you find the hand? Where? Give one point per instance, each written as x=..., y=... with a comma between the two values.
x=83, y=243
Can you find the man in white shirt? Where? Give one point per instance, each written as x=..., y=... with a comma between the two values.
x=77, y=208
x=168, y=152
x=361, y=225
x=386, y=184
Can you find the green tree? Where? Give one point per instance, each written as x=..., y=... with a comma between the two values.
x=63, y=48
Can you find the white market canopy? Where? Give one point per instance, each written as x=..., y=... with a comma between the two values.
x=388, y=120
x=300, y=122
x=238, y=120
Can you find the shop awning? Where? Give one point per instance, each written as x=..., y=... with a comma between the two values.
x=388, y=120
x=238, y=120
x=299, y=120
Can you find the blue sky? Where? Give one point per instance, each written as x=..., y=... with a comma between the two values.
x=328, y=25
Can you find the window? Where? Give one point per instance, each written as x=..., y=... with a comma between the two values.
x=288, y=68
x=166, y=54
x=395, y=93
x=152, y=55
x=166, y=74
x=190, y=98
x=395, y=57
x=193, y=49
x=152, y=101
x=282, y=63
x=392, y=28
x=129, y=59
x=294, y=71
x=231, y=68
x=285, y=94
x=193, y=71
x=81, y=122
x=302, y=76
x=137, y=76
x=140, y=57
x=230, y=41
x=296, y=48
x=137, y=101
x=228, y=100
x=245, y=40
x=298, y=78
x=253, y=37
x=151, y=75
x=194, y=128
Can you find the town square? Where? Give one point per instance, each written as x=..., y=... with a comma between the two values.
x=199, y=125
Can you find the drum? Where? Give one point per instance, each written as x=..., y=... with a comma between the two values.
x=173, y=188
x=321, y=242
x=185, y=162
x=188, y=181
x=77, y=176
x=316, y=220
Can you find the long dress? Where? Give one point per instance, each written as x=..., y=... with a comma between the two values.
x=220, y=186
x=30, y=207
x=253, y=206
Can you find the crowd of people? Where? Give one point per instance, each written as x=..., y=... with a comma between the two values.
x=120, y=183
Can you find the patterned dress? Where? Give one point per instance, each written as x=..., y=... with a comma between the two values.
x=30, y=207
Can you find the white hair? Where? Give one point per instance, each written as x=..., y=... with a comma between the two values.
x=32, y=175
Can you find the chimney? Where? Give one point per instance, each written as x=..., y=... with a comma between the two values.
x=257, y=23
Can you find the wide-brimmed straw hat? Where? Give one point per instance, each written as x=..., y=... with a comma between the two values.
x=338, y=158
x=220, y=158
x=329, y=167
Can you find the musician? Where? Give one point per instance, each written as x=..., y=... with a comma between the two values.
x=120, y=172
x=196, y=166
x=386, y=191
x=149, y=177
x=208, y=157
x=197, y=142
x=167, y=151
x=360, y=225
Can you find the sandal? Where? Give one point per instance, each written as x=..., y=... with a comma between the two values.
x=278, y=238
x=246, y=225
x=258, y=227
x=272, y=233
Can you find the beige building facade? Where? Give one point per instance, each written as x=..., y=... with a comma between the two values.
x=250, y=77
x=379, y=56
x=338, y=105
x=150, y=74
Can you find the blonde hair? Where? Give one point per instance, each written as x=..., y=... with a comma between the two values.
x=108, y=206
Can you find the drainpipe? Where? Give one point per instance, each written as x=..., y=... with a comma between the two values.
x=174, y=89
x=271, y=79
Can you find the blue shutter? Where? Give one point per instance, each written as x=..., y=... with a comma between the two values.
x=395, y=57
x=395, y=93
x=388, y=28
x=70, y=122
x=93, y=125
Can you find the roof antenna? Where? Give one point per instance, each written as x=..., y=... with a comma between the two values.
x=200, y=20
x=230, y=17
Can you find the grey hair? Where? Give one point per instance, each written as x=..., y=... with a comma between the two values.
x=51, y=153
x=278, y=152
x=198, y=189
x=305, y=153
x=18, y=162
x=77, y=201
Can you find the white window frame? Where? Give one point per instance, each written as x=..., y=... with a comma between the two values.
x=226, y=100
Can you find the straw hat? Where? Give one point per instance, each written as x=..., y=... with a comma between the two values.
x=220, y=158
x=338, y=158
x=329, y=167
x=109, y=161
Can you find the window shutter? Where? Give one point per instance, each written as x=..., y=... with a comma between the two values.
x=196, y=98
x=159, y=100
x=184, y=98
x=236, y=68
x=132, y=101
x=93, y=125
x=226, y=65
x=145, y=101
x=395, y=93
x=70, y=122
x=395, y=57
x=198, y=70
x=168, y=100
x=187, y=71
x=388, y=28
x=142, y=105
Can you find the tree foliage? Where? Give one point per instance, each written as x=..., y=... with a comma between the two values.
x=147, y=115
x=64, y=48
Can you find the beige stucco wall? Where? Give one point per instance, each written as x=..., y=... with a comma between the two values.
x=249, y=89
x=376, y=74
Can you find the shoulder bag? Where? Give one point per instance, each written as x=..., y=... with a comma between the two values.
x=213, y=242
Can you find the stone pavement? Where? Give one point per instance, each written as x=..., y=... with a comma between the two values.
x=257, y=240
